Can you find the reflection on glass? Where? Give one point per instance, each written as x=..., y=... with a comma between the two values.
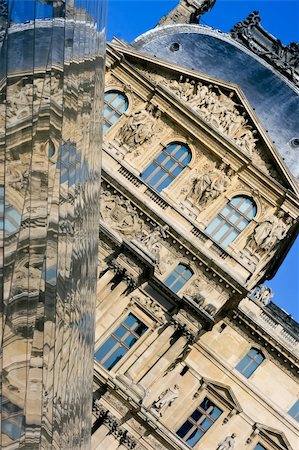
x=51, y=92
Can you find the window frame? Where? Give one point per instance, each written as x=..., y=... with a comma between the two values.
x=161, y=171
x=114, y=110
x=104, y=339
x=225, y=220
x=251, y=361
x=179, y=277
x=196, y=424
x=296, y=415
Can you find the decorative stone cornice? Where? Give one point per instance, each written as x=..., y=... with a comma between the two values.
x=114, y=425
x=256, y=334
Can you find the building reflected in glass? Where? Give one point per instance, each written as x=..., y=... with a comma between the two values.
x=51, y=83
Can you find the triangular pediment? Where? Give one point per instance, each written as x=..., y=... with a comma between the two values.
x=275, y=437
x=224, y=392
x=220, y=105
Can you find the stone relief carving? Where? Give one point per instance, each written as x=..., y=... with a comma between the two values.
x=263, y=294
x=217, y=108
x=151, y=305
x=150, y=240
x=245, y=28
x=268, y=233
x=166, y=399
x=228, y=443
x=140, y=127
x=209, y=185
x=120, y=214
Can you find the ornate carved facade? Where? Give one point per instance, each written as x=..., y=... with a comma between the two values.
x=198, y=210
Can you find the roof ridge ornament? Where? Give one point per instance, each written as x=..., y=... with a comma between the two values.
x=187, y=11
x=285, y=58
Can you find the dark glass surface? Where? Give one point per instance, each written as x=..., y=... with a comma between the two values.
x=51, y=92
x=250, y=362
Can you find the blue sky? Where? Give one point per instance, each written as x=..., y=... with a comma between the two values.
x=127, y=19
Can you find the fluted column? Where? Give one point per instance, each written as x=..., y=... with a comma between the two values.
x=164, y=362
x=155, y=350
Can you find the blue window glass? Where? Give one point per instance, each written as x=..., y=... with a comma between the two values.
x=178, y=278
x=294, y=411
x=199, y=422
x=259, y=447
x=166, y=166
x=250, y=362
x=231, y=220
x=120, y=341
x=115, y=104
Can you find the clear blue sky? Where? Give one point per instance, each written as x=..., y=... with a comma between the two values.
x=127, y=19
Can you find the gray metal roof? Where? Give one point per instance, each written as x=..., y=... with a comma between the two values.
x=274, y=97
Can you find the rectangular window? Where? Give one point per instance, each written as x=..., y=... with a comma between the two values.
x=259, y=447
x=294, y=411
x=120, y=341
x=199, y=422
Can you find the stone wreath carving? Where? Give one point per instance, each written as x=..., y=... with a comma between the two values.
x=217, y=108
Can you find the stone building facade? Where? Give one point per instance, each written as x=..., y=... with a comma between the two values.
x=199, y=207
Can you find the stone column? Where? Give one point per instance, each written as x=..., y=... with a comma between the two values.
x=111, y=299
x=154, y=351
x=165, y=361
x=103, y=287
x=98, y=436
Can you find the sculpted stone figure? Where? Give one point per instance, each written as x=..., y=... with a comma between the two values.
x=120, y=215
x=228, y=443
x=150, y=240
x=209, y=186
x=268, y=233
x=140, y=127
x=263, y=294
x=166, y=399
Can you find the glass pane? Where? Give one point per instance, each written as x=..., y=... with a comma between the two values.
x=170, y=280
x=178, y=285
x=130, y=340
x=180, y=152
x=168, y=164
x=234, y=217
x=246, y=204
x=113, y=118
x=107, y=111
x=156, y=177
x=213, y=225
x=206, y=424
x=120, y=332
x=148, y=171
x=140, y=329
x=166, y=182
x=221, y=232
x=123, y=107
x=236, y=200
x=294, y=411
x=194, y=437
x=131, y=320
x=226, y=211
x=106, y=127
x=232, y=236
x=176, y=170
x=117, y=101
x=185, y=428
x=243, y=363
x=105, y=348
x=259, y=447
x=242, y=224
x=161, y=157
x=114, y=358
x=196, y=415
x=206, y=404
x=216, y=412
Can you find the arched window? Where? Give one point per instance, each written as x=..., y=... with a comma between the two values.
x=166, y=166
x=231, y=220
x=250, y=362
x=115, y=104
x=178, y=278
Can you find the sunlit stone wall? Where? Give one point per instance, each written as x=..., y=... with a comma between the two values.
x=51, y=83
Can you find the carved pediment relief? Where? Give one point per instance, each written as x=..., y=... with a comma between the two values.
x=225, y=109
